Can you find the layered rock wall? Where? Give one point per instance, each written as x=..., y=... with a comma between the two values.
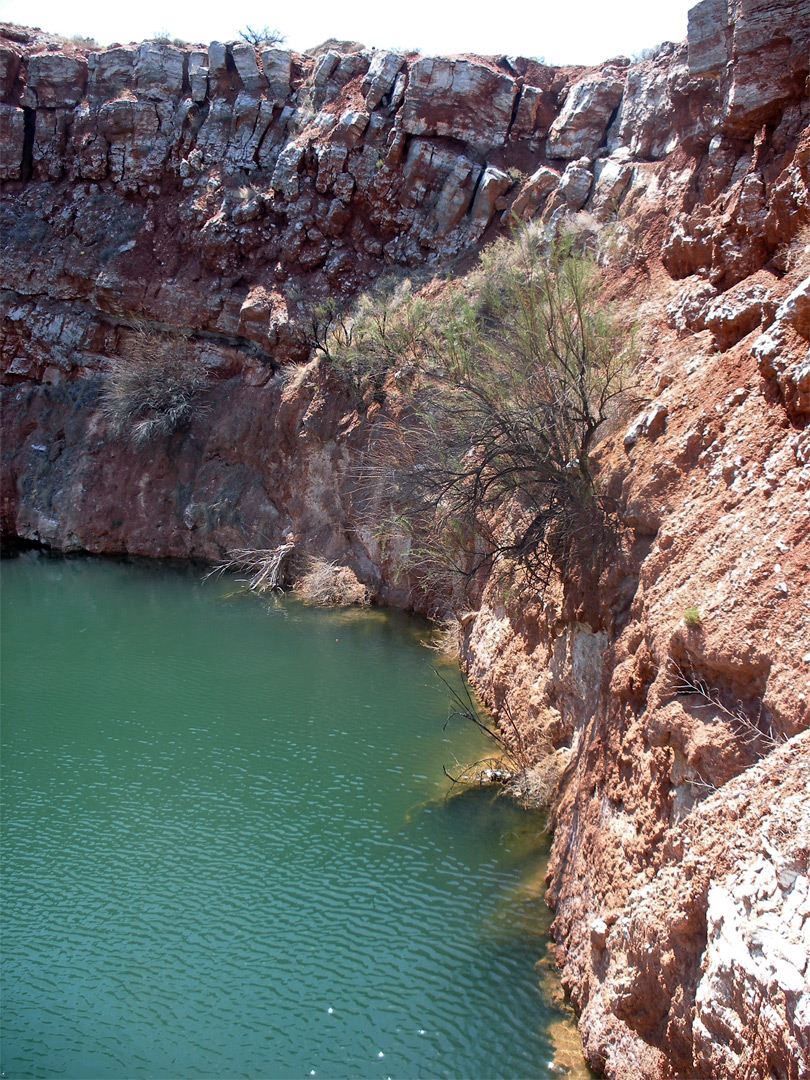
x=217, y=192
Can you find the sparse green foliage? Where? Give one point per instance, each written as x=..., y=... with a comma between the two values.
x=383, y=332
x=488, y=459
x=692, y=617
x=151, y=389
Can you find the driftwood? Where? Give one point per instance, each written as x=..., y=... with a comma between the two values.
x=263, y=565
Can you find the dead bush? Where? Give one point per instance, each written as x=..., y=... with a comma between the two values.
x=445, y=639
x=539, y=785
x=262, y=565
x=326, y=584
x=152, y=389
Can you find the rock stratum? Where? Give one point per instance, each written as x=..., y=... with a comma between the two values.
x=217, y=191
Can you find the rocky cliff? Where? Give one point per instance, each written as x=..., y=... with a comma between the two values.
x=218, y=191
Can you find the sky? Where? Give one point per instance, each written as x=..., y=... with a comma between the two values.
x=558, y=31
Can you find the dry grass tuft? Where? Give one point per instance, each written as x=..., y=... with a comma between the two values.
x=151, y=389
x=326, y=584
x=539, y=785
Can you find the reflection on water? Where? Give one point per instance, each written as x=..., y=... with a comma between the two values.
x=227, y=849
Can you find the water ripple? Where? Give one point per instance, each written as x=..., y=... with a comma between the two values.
x=216, y=830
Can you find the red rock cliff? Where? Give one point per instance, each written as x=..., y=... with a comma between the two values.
x=216, y=190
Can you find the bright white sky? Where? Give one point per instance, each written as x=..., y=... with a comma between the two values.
x=561, y=31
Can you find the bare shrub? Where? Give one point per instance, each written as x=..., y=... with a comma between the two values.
x=256, y=36
x=326, y=584
x=539, y=785
x=514, y=755
x=446, y=639
x=151, y=389
x=756, y=731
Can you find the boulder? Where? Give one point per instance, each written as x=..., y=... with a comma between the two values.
x=707, y=38
x=650, y=424
x=646, y=120
x=583, y=121
x=324, y=68
x=349, y=68
x=686, y=314
x=218, y=62
x=337, y=218
x=350, y=127
x=244, y=58
x=250, y=120
x=782, y=353
x=198, y=76
x=535, y=112
x=254, y=315
x=56, y=81
x=9, y=67
x=132, y=129
x=493, y=184
x=612, y=178
x=159, y=71
x=285, y=175
x=48, y=152
x=424, y=172
x=459, y=99
x=575, y=183
x=214, y=135
x=12, y=134
x=456, y=195
x=758, y=52
x=736, y=313
x=91, y=146
x=277, y=66
x=381, y=76
x=331, y=162
x=111, y=72
x=532, y=195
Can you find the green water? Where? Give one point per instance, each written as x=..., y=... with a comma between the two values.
x=227, y=850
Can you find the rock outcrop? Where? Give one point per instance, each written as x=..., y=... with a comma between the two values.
x=212, y=194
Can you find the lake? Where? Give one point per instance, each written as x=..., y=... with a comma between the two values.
x=229, y=848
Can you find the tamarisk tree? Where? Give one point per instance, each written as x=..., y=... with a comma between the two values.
x=505, y=379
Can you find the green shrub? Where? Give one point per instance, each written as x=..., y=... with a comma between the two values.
x=487, y=457
x=692, y=617
x=381, y=333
